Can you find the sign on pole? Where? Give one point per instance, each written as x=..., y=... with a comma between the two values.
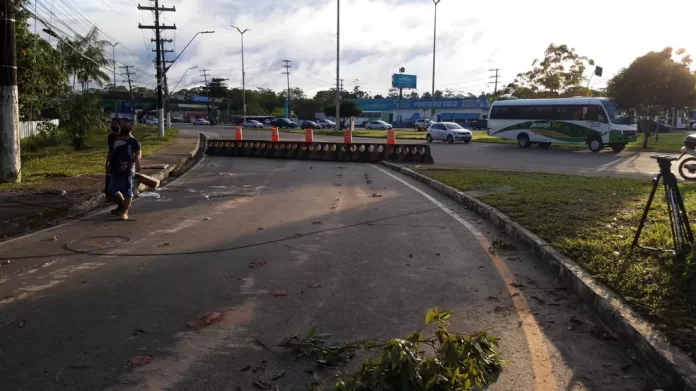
x=400, y=80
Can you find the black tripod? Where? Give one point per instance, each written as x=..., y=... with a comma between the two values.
x=678, y=219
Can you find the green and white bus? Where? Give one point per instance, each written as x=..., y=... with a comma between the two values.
x=597, y=122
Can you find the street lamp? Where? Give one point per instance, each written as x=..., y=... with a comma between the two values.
x=187, y=45
x=432, y=93
x=241, y=33
x=182, y=78
x=113, y=81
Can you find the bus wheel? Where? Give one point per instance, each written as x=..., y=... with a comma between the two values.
x=544, y=145
x=618, y=147
x=523, y=140
x=595, y=144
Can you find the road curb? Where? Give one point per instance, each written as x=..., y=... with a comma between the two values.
x=669, y=365
x=28, y=224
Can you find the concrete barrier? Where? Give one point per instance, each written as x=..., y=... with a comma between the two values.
x=329, y=151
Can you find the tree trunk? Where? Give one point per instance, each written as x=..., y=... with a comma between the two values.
x=74, y=76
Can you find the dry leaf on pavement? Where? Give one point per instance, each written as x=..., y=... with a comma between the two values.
x=258, y=264
x=314, y=285
x=279, y=293
x=138, y=361
x=205, y=320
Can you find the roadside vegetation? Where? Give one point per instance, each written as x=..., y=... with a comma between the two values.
x=592, y=220
x=52, y=153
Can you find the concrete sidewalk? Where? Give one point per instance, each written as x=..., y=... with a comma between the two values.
x=64, y=198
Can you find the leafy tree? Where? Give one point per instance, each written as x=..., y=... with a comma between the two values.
x=306, y=108
x=81, y=114
x=653, y=84
x=267, y=98
x=576, y=91
x=378, y=96
x=111, y=87
x=560, y=69
x=393, y=93
x=325, y=97
x=40, y=78
x=426, y=95
x=216, y=88
x=438, y=94
x=413, y=95
x=348, y=109
x=295, y=93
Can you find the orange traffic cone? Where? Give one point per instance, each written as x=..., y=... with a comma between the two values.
x=275, y=136
x=347, y=136
x=309, y=136
x=391, y=136
x=238, y=134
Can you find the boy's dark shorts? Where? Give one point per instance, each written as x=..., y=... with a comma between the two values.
x=120, y=183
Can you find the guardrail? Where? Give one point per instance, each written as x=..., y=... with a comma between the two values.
x=328, y=151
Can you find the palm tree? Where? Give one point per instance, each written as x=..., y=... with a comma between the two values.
x=90, y=68
x=84, y=57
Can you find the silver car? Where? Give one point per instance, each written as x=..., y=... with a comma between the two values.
x=448, y=131
x=378, y=125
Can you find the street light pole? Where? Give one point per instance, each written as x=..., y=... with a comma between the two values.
x=241, y=33
x=432, y=93
x=113, y=81
x=187, y=45
x=182, y=78
x=338, y=64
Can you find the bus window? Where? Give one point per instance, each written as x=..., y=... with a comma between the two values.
x=595, y=113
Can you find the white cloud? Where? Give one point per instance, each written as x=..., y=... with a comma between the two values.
x=379, y=36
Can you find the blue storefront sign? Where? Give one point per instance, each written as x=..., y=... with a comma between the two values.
x=200, y=98
x=400, y=80
x=391, y=104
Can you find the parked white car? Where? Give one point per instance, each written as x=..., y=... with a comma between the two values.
x=200, y=121
x=378, y=125
x=448, y=131
x=152, y=121
x=422, y=124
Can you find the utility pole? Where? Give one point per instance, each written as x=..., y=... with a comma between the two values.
x=287, y=67
x=160, y=57
x=10, y=162
x=205, y=77
x=338, y=64
x=432, y=110
x=130, y=88
x=495, y=90
x=241, y=34
x=113, y=59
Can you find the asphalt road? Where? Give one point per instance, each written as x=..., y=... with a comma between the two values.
x=500, y=156
x=361, y=254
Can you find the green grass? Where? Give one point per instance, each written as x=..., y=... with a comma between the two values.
x=40, y=164
x=592, y=220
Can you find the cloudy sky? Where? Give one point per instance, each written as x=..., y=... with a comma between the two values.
x=379, y=36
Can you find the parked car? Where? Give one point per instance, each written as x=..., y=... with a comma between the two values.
x=448, y=131
x=325, y=123
x=377, y=125
x=283, y=123
x=311, y=125
x=252, y=123
x=480, y=124
x=422, y=124
x=200, y=121
x=151, y=121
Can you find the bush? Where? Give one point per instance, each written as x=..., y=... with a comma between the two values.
x=49, y=135
x=82, y=112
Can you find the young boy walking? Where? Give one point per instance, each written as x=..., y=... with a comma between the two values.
x=123, y=161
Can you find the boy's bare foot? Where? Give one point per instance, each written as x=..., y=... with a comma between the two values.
x=123, y=217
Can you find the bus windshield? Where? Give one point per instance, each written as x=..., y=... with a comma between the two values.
x=617, y=114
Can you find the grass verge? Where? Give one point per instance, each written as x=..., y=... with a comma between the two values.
x=40, y=164
x=592, y=220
